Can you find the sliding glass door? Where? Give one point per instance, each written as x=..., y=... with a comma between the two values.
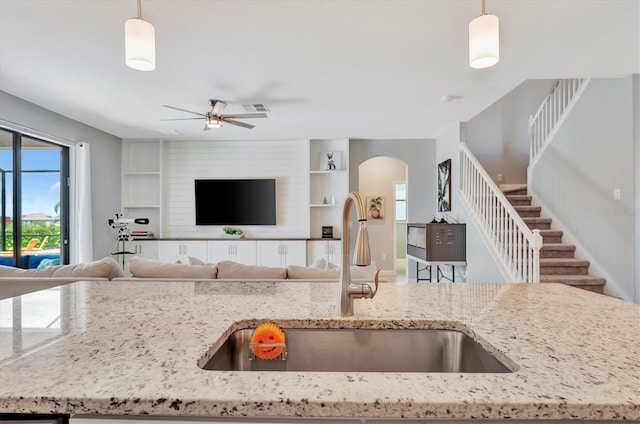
x=34, y=201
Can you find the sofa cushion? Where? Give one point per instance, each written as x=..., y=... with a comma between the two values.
x=147, y=268
x=103, y=268
x=234, y=270
x=295, y=272
x=196, y=261
x=320, y=263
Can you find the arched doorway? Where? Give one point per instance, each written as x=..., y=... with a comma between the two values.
x=382, y=181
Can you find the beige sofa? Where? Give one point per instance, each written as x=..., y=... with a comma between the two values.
x=197, y=270
x=16, y=281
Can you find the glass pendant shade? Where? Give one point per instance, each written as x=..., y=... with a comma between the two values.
x=484, y=41
x=140, y=44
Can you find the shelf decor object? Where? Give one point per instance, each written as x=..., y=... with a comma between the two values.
x=330, y=161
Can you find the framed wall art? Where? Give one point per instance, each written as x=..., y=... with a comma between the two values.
x=444, y=186
x=375, y=207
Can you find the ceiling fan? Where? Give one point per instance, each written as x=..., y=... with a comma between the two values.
x=214, y=118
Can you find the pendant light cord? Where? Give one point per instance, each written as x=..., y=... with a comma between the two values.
x=484, y=7
x=140, y=9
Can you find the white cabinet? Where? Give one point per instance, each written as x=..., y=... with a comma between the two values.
x=329, y=250
x=141, y=183
x=241, y=251
x=174, y=250
x=281, y=253
x=328, y=184
x=144, y=248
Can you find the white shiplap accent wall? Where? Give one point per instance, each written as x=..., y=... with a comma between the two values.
x=287, y=161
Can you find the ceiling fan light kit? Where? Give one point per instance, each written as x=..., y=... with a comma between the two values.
x=484, y=40
x=140, y=43
x=212, y=123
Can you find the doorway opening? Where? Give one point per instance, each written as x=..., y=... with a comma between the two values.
x=382, y=182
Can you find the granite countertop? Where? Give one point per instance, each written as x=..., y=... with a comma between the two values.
x=133, y=347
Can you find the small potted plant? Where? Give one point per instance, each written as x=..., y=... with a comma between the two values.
x=231, y=232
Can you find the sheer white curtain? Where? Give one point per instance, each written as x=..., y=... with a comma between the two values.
x=82, y=249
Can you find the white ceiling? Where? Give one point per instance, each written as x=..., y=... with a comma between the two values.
x=364, y=69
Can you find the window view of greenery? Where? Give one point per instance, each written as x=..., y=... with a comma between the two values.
x=39, y=196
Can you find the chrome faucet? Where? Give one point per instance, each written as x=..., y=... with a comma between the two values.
x=349, y=291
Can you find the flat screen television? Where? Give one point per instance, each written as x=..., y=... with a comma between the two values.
x=236, y=202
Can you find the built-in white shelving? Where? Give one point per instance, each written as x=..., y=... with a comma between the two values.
x=328, y=183
x=142, y=183
x=152, y=173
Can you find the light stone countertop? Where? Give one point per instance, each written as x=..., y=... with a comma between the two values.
x=129, y=348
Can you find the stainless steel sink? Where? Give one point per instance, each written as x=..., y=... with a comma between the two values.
x=362, y=350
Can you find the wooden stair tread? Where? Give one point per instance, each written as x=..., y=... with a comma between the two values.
x=537, y=220
x=573, y=280
x=558, y=246
x=565, y=262
x=557, y=233
x=513, y=188
x=519, y=196
x=527, y=208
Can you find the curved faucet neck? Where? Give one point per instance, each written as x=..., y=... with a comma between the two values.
x=362, y=256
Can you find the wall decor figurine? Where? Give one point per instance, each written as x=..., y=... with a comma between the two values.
x=444, y=186
x=330, y=161
x=375, y=207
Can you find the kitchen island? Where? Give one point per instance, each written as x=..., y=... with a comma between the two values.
x=133, y=348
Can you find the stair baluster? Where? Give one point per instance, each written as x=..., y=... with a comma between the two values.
x=515, y=247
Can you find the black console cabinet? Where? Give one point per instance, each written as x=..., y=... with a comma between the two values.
x=435, y=242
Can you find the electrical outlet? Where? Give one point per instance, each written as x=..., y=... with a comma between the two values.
x=384, y=256
x=499, y=178
x=616, y=194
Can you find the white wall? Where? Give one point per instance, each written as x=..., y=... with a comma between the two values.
x=286, y=161
x=376, y=178
x=499, y=135
x=105, y=159
x=481, y=266
x=636, y=143
x=574, y=180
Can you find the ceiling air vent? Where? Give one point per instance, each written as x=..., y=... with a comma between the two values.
x=256, y=107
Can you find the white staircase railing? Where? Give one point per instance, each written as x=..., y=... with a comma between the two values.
x=515, y=247
x=544, y=123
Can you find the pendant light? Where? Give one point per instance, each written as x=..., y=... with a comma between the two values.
x=484, y=40
x=140, y=43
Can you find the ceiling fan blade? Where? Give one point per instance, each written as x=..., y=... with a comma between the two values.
x=217, y=106
x=238, y=123
x=184, y=110
x=245, y=115
x=180, y=119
